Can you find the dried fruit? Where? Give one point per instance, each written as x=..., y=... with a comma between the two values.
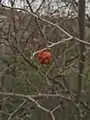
x=44, y=57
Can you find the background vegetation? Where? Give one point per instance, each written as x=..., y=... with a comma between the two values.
x=60, y=90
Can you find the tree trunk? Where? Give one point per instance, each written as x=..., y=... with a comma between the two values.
x=82, y=52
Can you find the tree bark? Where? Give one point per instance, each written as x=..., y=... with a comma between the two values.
x=82, y=47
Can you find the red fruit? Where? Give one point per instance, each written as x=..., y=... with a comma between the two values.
x=44, y=57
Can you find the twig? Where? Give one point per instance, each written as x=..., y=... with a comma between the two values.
x=12, y=114
x=40, y=95
x=53, y=44
x=52, y=115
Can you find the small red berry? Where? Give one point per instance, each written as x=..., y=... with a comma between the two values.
x=44, y=57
